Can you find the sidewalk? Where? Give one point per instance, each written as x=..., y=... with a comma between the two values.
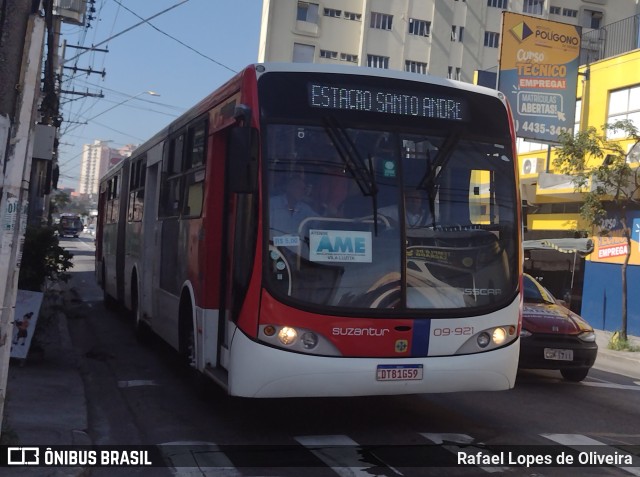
x=46, y=402
x=619, y=362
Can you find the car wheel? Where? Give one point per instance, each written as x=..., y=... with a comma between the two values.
x=576, y=375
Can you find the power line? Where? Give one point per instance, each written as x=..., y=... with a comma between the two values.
x=174, y=38
x=126, y=30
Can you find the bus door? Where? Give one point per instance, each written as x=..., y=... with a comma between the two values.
x=241, y=227
x=150, y=241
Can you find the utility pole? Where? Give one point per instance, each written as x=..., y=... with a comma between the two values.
x=16, y=132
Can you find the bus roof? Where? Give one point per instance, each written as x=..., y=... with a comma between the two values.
x=377, y=72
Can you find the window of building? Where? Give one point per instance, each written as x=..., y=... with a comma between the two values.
x=381, y=21
x=376, y=61
x=419, y=27
x=568, y=12
x=498, y=3
x=591, y=19
x=328, y=54
x=353, y=16
x=303, y=53
x=555, y=10
x=576, y=125
x=491, y=39
x=332, y=12
x=307, y=12
x=415, y=67
x=535, y=7
x=348, y=57
x=454, y=73
x=523, y=146
x=624, y=104
x=457, y=33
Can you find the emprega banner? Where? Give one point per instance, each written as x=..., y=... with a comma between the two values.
x=538, y=73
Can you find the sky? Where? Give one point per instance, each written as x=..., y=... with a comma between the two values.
x=212, y=39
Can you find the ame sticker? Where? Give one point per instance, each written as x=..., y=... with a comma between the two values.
x=340, y=246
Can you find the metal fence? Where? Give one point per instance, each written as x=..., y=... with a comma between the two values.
x=610, y=40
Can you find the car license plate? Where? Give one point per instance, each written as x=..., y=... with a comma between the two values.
x=399, y=372
x=558, y=354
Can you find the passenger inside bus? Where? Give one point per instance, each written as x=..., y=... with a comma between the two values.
x=288, y=210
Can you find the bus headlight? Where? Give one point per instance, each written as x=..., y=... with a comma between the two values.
x=309, y=340
x=489, y=339
x=483, y=339
x=287, y=335
x=499, y=336
x=296, y=339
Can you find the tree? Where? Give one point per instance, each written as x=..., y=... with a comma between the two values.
x=612, y=186
x=43, y=259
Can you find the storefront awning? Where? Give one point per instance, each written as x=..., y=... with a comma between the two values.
x=582, y=246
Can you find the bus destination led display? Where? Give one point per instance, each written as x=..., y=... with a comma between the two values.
x=386, y=101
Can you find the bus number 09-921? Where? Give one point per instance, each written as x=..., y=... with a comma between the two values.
x=459, y=331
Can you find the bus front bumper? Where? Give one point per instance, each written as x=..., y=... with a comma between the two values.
x=260, y=371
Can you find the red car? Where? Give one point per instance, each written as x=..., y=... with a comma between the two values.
x=553, y=337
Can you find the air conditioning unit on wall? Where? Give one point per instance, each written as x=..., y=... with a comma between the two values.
x=532, y=166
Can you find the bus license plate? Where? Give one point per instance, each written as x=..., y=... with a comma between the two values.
x=401, y=372
x=558, y=354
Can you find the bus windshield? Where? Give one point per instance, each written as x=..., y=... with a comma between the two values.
x=363, y=218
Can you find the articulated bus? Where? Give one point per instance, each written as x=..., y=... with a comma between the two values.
x=315, y=230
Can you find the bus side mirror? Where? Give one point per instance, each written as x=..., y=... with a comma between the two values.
x=242, y=160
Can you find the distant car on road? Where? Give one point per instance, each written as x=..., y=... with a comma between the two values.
x=70, y=225
x=553, y=337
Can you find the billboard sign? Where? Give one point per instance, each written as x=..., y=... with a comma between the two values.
x=538, y=74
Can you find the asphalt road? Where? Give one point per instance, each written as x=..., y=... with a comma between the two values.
x=140, y=394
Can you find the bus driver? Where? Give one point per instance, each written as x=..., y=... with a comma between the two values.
x=288, y=210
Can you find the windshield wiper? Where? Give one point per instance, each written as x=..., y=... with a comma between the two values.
x=363, y=175
x=428, y=181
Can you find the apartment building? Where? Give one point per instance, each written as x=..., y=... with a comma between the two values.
x=446, y=38
x=97, y=158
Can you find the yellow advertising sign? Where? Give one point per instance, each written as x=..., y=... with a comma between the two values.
x=538, y=73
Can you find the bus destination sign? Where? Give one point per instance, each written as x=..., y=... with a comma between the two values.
x=387, y=101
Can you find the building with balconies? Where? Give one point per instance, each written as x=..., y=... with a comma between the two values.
x=451, y=39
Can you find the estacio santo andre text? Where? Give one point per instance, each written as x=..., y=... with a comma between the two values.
x=528, y=460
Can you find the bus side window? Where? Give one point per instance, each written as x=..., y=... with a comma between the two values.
x=195, y=166
x=136, y=194
x=171, y=193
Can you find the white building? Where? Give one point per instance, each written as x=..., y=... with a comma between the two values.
x=446, y=38
x=97, y=158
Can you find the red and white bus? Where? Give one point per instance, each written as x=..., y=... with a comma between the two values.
x=314, y=230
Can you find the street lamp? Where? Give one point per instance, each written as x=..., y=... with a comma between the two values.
x=151, y=93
